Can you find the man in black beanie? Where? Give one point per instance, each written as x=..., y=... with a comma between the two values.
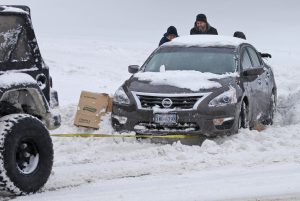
x=202, y=26
x=170, y=35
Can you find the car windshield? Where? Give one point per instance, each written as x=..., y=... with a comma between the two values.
x=213, y=60
x=13, y=39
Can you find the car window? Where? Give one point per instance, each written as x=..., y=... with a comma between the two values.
x=254, y=57
x=22, y=51
x=14, y=45
x=246, y=62
x=206, y=60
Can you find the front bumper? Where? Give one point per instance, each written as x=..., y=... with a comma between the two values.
x=53, y=121
x=201, y=121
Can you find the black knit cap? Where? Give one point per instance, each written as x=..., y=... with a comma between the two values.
x=239, y=34
x=172, y=30
x=201, y=17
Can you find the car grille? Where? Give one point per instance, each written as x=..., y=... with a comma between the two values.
x=182, y=127
x=187, y=102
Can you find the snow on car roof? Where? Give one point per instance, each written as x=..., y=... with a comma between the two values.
x=206, y=41
x=12, y=9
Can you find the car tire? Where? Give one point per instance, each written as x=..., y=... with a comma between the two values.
x=26, y=154
x=271, y=111
x=244, y=116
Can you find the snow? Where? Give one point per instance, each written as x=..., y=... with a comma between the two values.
x=13, y=9
x=206, y=41
x=250, y=165
x=214, y=184
x=8, y=80
x=193, y=80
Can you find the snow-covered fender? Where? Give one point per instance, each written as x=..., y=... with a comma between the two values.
x=18, y=88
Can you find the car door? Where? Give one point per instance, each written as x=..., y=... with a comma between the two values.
x=261, y=93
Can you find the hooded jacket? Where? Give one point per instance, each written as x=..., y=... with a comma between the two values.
x=171, y=30
x=164, y=39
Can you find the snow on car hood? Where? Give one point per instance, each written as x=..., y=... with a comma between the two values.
x=11, y=79
x=192, y=80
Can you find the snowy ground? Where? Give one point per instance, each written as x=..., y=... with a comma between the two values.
x=249, y=166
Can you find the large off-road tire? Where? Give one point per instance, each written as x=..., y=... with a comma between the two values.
x=26, y=154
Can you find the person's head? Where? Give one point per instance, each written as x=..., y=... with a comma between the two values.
x=201, y=22
x=239, y=34
x=171, y=33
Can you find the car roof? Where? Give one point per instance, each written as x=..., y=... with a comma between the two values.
x=15, y=9
x=206, y=41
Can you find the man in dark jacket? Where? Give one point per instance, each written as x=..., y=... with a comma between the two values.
x=203, y=27
x=170, y=35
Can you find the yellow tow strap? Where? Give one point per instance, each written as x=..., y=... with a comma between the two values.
x=174, y=136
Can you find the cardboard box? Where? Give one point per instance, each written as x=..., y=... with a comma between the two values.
x=91, y=107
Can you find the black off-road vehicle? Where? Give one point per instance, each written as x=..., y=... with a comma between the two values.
x=26, y=98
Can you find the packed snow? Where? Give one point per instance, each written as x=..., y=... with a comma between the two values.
x=248, y=166
x=13, y=10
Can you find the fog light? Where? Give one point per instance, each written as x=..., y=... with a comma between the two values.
x=122, y=120
x=219, y=122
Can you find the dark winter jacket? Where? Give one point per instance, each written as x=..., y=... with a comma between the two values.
x=171, y=30
x=164, y=39
x=209, y=31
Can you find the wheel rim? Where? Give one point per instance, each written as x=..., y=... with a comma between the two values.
x=27, y=157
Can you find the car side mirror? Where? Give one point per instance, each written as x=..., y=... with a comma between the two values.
x=133, y=69
x=253, y=71
x=265, y=55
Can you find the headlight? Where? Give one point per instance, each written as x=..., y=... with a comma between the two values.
x=120, y=97
x=228, y=97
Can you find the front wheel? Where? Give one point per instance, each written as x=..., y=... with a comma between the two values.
x=244, y=116
x=26, y=154
x=272, y=111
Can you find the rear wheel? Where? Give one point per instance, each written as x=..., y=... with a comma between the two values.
x=26, y=154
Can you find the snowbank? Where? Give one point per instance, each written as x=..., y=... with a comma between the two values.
x=237, y=167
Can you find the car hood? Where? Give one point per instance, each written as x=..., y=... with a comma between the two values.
x=178, y=82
